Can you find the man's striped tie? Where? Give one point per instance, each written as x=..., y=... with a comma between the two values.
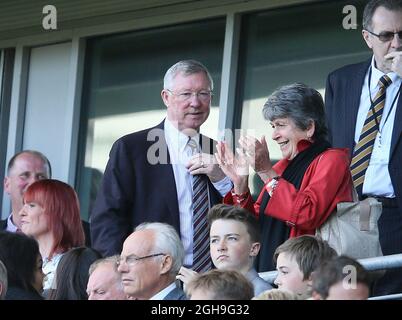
x=363, y=149
x=201, y=255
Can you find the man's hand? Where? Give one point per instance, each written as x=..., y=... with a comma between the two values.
x=186, y=275
x=395, y=59
x=204, y=163
x=256, y=152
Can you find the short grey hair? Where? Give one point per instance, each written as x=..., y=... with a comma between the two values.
x=373, y=5
x=301, y=104
x=167, y=241
x=34, y=153
x=108, y=260
x=187, y=67
x=3, y=280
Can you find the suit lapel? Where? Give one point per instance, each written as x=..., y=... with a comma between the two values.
x=3, y=224
x=397, y=131
x=356, y=86
x=165, y=172
x=207, y=145
x=175, y=294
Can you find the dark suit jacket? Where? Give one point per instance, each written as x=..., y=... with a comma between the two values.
x=16, y=293
x=342, y=99
x=176, y=294
x=3, y=224
x=133, y=190
x=87, y=232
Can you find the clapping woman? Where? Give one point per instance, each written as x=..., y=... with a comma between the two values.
x=304, y=187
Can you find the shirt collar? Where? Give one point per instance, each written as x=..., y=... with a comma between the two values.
x=52, y=261
x=11, y=227
x=163, y=293
x=177, y=139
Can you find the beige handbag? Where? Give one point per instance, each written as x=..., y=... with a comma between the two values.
x=352, y=229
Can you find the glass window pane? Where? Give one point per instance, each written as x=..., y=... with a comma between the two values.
x=122, y=86
x=6, y=79
x=293, y=44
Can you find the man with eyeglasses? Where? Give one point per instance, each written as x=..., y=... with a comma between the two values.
x=167, y=173
x=364, y=112
x=149, y=262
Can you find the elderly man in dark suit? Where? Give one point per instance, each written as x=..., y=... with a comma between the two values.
x=150, y=260
x=166, y=173
x=364, y=110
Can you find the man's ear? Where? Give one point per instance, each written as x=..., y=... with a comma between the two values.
x=166, y=264
x=165, y=97
x=367, y=38
x=7, y=185
x=255, y=248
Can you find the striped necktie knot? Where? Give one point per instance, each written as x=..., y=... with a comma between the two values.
x=384, y=81
x=192, y=145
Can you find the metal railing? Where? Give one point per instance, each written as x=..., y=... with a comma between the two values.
x=370, y=264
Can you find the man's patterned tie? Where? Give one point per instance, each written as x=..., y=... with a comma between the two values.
x=201, y=255
x=363, y=149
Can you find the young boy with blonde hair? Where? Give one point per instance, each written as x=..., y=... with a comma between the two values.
x=296, y=259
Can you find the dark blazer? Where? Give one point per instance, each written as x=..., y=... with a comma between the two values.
x=133, y=190
x=3, y=224
x=342, y=100
x=15, y=293
x=176, y=294
x=87, y=232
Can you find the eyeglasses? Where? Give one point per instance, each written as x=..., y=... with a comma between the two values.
x=386, y=35
x=186, y=95
x=132, y=258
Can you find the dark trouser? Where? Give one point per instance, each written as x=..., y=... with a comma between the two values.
x=390, y=229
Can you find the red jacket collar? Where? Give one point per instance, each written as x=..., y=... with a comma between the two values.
x=283, y=163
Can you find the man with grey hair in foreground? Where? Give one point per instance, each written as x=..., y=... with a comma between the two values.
x=3, y=281
x=104, y=281
x=150, y=260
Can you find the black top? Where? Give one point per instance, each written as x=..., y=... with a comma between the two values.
x=15, y=293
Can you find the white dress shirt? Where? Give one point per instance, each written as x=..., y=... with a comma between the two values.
x=11, y=227
x=180, y=154
x=377, y=180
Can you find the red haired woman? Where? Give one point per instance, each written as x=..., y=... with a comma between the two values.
x=51, y=215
